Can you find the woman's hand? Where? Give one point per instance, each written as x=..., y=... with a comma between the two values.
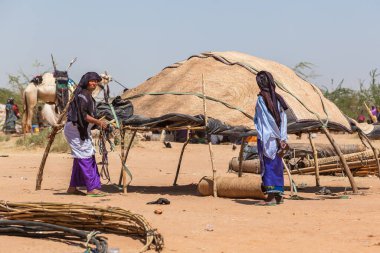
x=283, y=144
x=102, y=124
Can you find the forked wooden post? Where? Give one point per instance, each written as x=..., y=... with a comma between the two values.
x=375, y=151
x=315, y=156
x=240, y=173
x=209, y=143
x=342, y=159
x=180, y=157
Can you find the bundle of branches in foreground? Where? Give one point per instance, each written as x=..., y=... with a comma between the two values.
x=112, y=220
x=54, y=232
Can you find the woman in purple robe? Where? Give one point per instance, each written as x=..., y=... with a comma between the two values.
x=81, y=117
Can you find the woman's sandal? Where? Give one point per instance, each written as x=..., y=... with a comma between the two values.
x=263, y=203
x=97, y=194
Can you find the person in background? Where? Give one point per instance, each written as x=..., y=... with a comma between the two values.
x=361, y=117
x=271, y=124
x=378, y=114
x=12, y=115
x=81, y=117
x=374, y=111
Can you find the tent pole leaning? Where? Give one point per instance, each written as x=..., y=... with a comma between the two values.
x=375, y=151
x=242, y=145
x=180, y=157
x=54, y=131
x=316, y=165
x=123, y=174
x=342, y=159
x=209, y=143
x=293, y=187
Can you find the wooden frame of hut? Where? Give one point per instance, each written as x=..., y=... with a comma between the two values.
x=231, y=95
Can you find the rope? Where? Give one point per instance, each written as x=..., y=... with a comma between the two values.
x=104, y=137
x=278, y=84
x=125, y=168
x=199, y=95
x=91, y=236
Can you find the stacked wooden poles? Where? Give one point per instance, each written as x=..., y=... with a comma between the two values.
x=315, y=156
x=180, y=157
x=342, y=159
x=375, y=151
x=209, y=142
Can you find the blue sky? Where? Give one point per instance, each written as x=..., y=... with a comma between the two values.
x=134, y=40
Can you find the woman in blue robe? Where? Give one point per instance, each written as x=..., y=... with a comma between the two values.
x=271, y=124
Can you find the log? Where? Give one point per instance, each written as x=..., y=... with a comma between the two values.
x=248, y=166
x=247, y=186
x=331, y=166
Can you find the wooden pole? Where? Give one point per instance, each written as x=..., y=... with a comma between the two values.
x=124, y=176
x=293, y=187
x=342, y=159
x=124, y=157
x=240, y=173
x=373, y=117
x=324, y=167
x=54, y=131
x=315, y=155
x=180, y=157
x=209, y=142
x=375, y=151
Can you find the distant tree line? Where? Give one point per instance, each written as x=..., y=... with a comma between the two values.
x=349, y=101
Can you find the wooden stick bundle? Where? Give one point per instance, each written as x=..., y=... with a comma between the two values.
x=113, y=220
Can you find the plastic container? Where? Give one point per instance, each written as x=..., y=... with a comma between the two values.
x=35, y=129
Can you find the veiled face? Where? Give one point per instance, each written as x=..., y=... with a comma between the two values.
x=92, y=85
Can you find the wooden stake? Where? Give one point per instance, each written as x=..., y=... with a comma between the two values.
x=240, y=172
x=373, y=117
x=342, y=160
x=315, y=155
x=293, y=187
x=54, y=131
x=375, y=151
x=180, y=157
x=209, y=143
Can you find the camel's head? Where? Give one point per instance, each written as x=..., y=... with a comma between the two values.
x=105, y=78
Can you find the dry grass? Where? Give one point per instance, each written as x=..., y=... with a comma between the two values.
x=40, y=140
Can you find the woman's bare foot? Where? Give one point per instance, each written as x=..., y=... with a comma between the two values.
x=74, y=190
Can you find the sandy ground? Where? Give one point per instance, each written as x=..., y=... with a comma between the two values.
x=192, y=223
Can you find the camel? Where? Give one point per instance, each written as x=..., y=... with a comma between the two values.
x=46, y=92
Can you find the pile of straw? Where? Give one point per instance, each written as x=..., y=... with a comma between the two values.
x=113, y=220
x=230, y=77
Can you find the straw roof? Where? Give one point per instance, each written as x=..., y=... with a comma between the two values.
x=230, y=77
